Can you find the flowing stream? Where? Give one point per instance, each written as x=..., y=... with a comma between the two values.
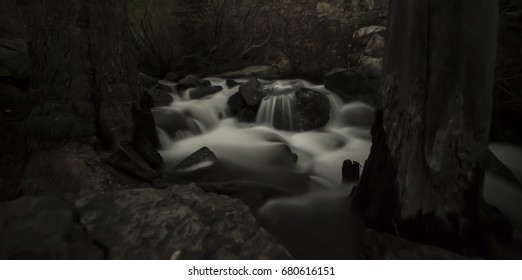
x=318, y=212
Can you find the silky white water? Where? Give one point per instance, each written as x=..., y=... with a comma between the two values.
x=320, y=152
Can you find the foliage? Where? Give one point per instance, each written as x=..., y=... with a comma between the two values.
x=205, y=36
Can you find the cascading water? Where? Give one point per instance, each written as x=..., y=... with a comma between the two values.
x=278, y=111
x=257, y=146
x=260, y=151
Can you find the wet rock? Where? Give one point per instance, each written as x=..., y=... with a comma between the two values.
x=355, y=84
x=284, y=157
x=251, y=93
x=161, y=95
x=202, y=155
x=180, y=222
x=189, y=79
x=241, y=110
x=43, y=228
x=199, y=93
x=357, y=114
x=280, y=181
x=232, y=83
x=313, y=109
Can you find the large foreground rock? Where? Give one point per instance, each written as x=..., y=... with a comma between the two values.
x=43, y=228
x=180, y=222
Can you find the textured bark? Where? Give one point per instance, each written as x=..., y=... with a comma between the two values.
x=423, y=179
x=85, y=83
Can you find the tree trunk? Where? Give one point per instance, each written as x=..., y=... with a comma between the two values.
x=423, y=179
x=85, y=84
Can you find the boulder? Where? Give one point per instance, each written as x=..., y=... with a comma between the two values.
x=179, y=222
x=356, y=114
x=245, y=103
x=313, y=109
x=251, y=92
x=355, y=84
x=203, y=155
x=199, y=93
x=44, y=227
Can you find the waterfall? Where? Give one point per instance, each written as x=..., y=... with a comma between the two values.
x=278, y=111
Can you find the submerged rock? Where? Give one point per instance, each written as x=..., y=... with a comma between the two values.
x=356, y=114
x=355, y=84
x=201, y=156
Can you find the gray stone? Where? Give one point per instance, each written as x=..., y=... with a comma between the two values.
x=180, y=222
x=202, y=155
x=251, y=92
x=313, y=109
